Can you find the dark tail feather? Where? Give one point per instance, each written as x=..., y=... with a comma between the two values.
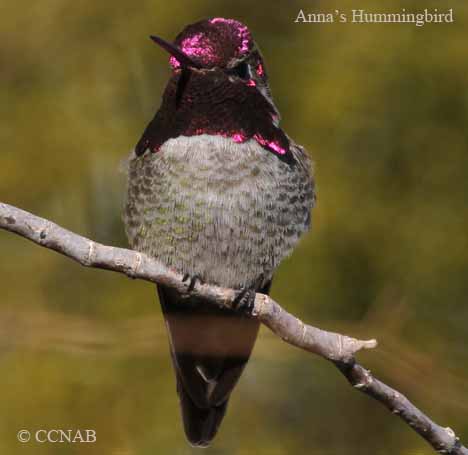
x=201, y=425
x=210, y=347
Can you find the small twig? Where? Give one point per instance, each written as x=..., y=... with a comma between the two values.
x=337, y=348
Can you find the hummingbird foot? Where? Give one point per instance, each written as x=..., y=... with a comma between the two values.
x=193, y=281
x=245, y=301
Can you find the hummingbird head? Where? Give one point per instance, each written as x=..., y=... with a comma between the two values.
x=219, y=85
x=218, y=44
x=212, y=43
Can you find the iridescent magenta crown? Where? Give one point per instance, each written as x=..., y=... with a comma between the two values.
x=214, y=42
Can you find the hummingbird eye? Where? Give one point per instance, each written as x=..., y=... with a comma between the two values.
x=241, y=70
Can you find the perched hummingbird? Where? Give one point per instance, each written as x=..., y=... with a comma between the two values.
x=218, y=192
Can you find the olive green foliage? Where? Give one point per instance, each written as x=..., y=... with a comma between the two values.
x=382, y=108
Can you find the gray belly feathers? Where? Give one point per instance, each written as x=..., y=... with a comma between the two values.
x=211, y=207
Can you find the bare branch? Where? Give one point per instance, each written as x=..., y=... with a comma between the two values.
x=337, y=348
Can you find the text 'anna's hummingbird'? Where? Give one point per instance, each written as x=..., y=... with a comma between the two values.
x=220, y=193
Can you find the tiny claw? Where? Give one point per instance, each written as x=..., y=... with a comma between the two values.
x=193, y=281
x=245, y=301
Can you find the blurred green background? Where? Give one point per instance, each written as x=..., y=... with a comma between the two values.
x=382, y=108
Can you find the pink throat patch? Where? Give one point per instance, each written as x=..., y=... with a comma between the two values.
x=272, y=145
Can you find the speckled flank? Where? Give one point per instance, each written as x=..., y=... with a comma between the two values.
x=209, y=206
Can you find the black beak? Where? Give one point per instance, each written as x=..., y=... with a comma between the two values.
x=183, y=59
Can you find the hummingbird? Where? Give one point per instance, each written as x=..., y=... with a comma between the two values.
x=218, y=192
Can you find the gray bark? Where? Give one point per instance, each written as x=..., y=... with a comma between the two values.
x=337, y=348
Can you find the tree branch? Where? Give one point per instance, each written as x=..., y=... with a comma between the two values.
x=337, y=348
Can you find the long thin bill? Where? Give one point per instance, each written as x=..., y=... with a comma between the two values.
x=182, y=58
